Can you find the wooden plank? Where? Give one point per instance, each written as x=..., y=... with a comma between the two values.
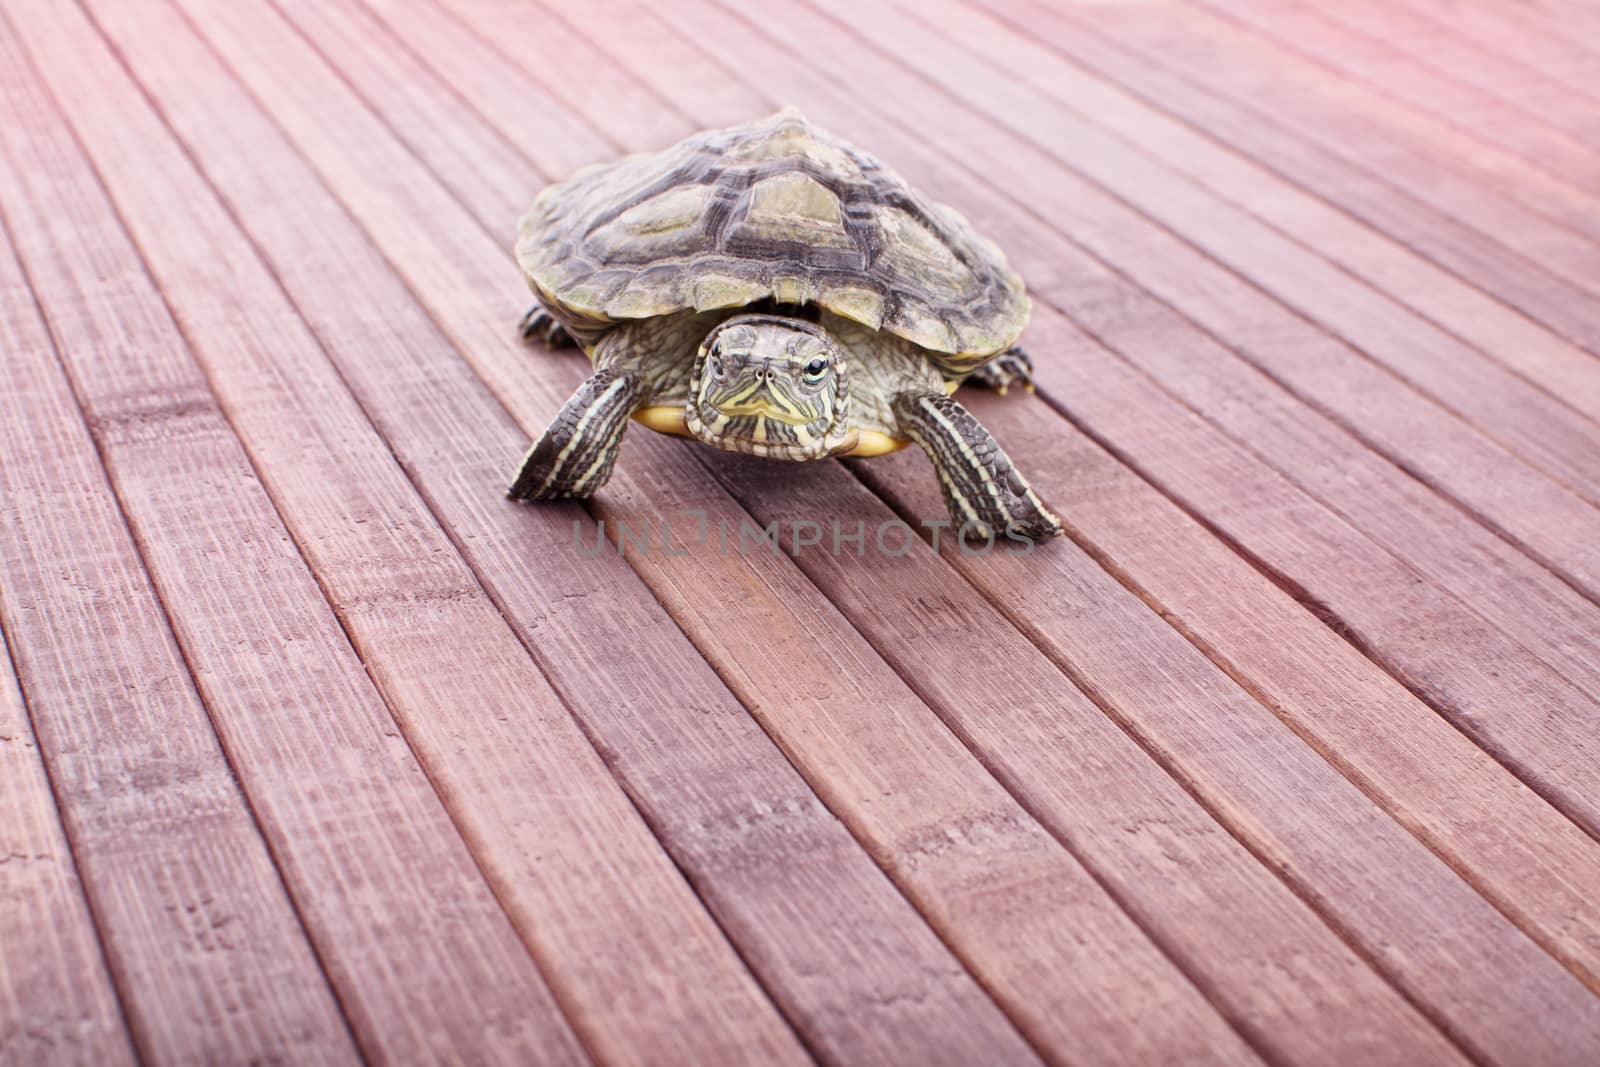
x=1529, y=40
x=193, y=918
x=1477, y=316
x=1029, y=914
x=1078, y=976
x=1468, y=76
x=1505, y=408
x=1115, y=48
x=1512, y=706
x=1359, y=57
x=1298, y=1018
x=1554, y=526
x=1546, y=219
x=651, y=978
x=1577, y=22
x=863, y=600
x=829, y=932
x=1392, y=745
x=56, y=996
x=359, y=833
x=1561, y=371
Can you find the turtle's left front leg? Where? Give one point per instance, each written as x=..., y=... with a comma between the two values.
x=1005, y=370
x=983, y=490
x=575, y=455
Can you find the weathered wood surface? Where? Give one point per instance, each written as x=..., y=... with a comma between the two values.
x=313, y=748
x=57, y=996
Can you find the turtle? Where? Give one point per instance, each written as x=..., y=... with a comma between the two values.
x=768, y=288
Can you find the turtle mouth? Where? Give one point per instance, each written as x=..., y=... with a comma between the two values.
x=759, y=408
x=759, y=429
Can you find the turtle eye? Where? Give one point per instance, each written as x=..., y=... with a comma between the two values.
x=815, y=370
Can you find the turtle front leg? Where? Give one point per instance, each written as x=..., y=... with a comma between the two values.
x=575, y=455
x=1005, y=370
x=985, y=494
x=537, y=322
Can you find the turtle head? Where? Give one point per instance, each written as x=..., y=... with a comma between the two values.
x=770, y=385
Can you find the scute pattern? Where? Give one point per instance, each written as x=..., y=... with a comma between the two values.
x=772, y=209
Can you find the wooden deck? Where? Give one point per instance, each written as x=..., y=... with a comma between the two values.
x=315, y=749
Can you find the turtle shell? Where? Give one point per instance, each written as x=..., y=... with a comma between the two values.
x=771, y=210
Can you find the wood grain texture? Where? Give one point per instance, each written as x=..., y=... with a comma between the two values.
x=417, y=946
x=314, y=748
x=824, y=935
x=1550, y=221
x=1262, y=954
x=1556, y=51
x=203, y=943
x=1356, y=54
x=600, y=901
x=1428, y=775
x=1542, y=510
x=1554, y=525
x=1075, y=972
x=509, y=28
x=1039, y=933
x=56, y=996
x=1123, y=50
x=1471, y=83
x=1508, y=727
x=1563, y=371
x=1502, y=406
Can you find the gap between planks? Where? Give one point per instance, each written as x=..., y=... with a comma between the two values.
x=506, y=979
x=1501, y=900
x=1028, y=951
x=1505, y=606
x=564, y=50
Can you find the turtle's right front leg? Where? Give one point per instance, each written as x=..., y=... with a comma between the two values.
x=537, y=322
x=575, y=455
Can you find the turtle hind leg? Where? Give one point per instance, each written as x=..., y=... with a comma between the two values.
x=538, y=323
x=982, y=489
x=1005, y=370
x=574, y=457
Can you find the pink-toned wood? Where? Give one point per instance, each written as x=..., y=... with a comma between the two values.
x=1553, y=526
x=1555, y=49
x=56, y=996
x=197, y=931
x=1125, y=788
x=827, y=932
x=1551, y=222
x=1474, y=83
x=601, y=904
x=1528, y=715
x=1080, y=978
x=1576, y=21
x=1566, y=373
x=664, y=63
x=1223, y=954
x=1361, y=54
x=1383, y=199
x=360, y=836
x=1504, y=407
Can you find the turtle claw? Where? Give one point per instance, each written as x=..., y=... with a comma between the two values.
x=986, y=495
x=539, y=323
x=1005, y=370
